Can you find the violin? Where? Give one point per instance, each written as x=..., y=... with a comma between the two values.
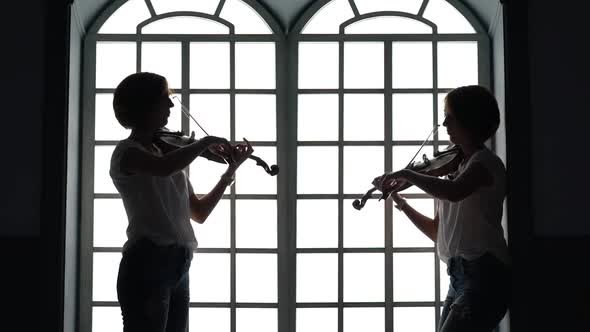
x=442, y=163
x=168, y=140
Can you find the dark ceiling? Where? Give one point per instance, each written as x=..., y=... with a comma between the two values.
x=287, y=11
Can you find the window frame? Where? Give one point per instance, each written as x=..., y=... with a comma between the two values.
x=89, y=91
x=286, y=91
x=484, y=77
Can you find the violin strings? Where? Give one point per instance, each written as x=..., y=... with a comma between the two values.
x=186, y=112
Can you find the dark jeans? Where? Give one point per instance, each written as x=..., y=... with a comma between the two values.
x=153, y=287
x=478, y=295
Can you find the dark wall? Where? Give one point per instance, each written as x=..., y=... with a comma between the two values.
x=22, y=88
x=559, y=93
x=546, y=68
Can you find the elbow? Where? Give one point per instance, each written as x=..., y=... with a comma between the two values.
x=198, y=218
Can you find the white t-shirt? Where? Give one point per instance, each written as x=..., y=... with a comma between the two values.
x=157, y=206
x=473, y=226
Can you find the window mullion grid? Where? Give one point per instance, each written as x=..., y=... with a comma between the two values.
x=232, y=117
x=184, y=89
x=388, y=213
x=340, y=186
x=87, y=190
x=435, y=147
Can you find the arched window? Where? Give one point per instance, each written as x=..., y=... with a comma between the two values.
x=350, y=92
x=371, y=78
x=220, y=59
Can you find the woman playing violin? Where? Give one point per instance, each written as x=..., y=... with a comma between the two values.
x=467, y=224
x=153, y=279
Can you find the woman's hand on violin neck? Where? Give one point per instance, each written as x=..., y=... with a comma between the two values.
x=241, y=152
x=388, y=181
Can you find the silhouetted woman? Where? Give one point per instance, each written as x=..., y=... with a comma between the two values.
x=467, y=224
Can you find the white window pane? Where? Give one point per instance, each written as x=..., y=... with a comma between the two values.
x=317, y=117
x=203, y=6
x=363, y=117
x=105, y=268
x=255, y=65
x=317, y=170
x=106, y=126
x=204, y=175
x=212, y=112
x=255, y=319
x=256, y=223
x=163, y=58
x=444, y=280
x=210, y=278
x=363, y=65
x=364, y=228
x=401, y=156
x=387, y=24
x=256, y=278
x=209, y=65
x=361, y=165
x=413, y=277
x=364, y=277
x=405, y=234
x=126, y=18
x=175, y=119
x=442, y=130
x=245, y=19
x=412, y=116
x=252, y=179
x=209, y=319
x=215, y=231
x=256, y=117
x=414, y=319
x=102, y=162
x=110, y=223
x=447, y=18
x=412, y=65
x=329, y=17
x=317, y=276
x=107, y=319
x=457, y=64
x=114, y=62
x=317, y=223
x=185, y=25
x=408, y=6
x=364, y=319
x=318, y=65
x=317, y=320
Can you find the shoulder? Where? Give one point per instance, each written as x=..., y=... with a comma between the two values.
x=488, y=159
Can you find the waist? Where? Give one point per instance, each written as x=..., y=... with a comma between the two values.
x=146, y=245
x=486, y=265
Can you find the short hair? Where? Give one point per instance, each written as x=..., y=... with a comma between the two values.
x=135, y=95
x=476, y=110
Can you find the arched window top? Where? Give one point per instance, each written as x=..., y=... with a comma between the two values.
x=447, y=18
x=201, y=6
x=126, y=18
x=185, y=23
x=244, y=17
x=407, y=6
x=328, y=18
x=164, y=16
x=440, y=13
x=386, y=24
